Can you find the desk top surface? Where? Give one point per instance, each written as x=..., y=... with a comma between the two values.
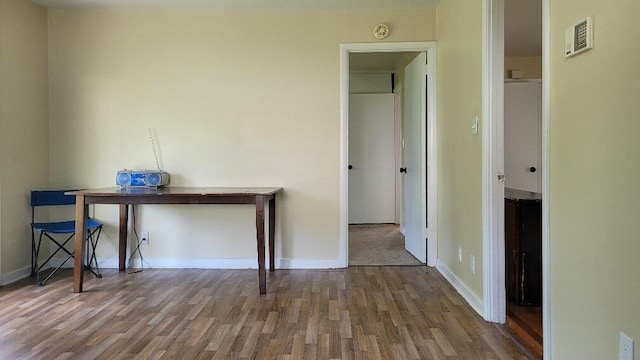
x=179, y=191
x=515, y=194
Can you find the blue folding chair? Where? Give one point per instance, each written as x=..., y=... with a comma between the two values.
x=49, y=230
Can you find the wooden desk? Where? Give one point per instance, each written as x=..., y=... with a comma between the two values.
x=173, y=195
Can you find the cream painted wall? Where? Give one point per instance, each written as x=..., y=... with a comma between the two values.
x=370, y=83
x=460, y=153
x=531, y=66
x=594, y=172
x=23, y=129
x=236, y=98
x=406, y=58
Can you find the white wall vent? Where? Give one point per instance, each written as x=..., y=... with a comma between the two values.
x=578, y=38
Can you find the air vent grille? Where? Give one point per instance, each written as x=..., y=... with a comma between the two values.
x=580, y=37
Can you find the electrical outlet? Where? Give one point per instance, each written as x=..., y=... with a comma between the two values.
x=473, y=264
x=460, y=253
x=626, y=347
x=144, y=237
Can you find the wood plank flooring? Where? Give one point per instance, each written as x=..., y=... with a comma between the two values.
x=525, y=323
x=354, y=313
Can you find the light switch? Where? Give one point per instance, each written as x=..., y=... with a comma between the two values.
x=474, y=126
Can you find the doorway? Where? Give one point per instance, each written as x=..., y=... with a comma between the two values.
x=499, y=66
x=375, y=237
x=429, y=122
x=523, y=212
x=523, y=171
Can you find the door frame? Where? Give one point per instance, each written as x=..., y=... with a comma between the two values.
x=493, y=164
x=493, y=249
x=431, y=142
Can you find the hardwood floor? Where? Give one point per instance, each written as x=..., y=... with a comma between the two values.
x=354, y=313
x=525, y=322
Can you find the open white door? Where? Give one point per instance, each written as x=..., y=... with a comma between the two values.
x=414, y=150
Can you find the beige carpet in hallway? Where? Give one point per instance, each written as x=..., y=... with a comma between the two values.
x=378, y=244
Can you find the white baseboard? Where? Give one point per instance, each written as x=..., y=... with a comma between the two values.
x=176, y=263
x=308, y=264
x=15, y=275
x=472, y=299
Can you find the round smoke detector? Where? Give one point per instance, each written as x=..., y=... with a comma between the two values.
x=381, y=31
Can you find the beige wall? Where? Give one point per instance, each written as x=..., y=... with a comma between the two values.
x=531, y=66
x=405, y=60
x=594, y=172
x=460, y=153
x=236, y=98
x=23, y=128
x=370, y=83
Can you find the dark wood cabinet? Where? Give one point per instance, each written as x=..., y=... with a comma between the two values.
x=523, y=247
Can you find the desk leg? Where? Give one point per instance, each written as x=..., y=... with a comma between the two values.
x=122, y=239
x=262, y=276
x=80, y=235
x=272, y=233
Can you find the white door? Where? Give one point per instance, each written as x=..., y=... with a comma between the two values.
x=414, y=189
x=522, y=134
x=371, y=159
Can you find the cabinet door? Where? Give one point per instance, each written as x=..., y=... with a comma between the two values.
x=511, y=249
x=531, y=252
x=523, y=251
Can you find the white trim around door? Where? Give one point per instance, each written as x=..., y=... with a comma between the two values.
x=493, y=167
x=429, y=193
x=546, y=214
x=494, y=293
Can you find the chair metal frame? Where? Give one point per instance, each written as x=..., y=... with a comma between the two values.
x=42, y=198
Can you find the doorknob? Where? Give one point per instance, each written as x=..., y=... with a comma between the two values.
x=532, y=169
x=350, y=167
x=403, y=170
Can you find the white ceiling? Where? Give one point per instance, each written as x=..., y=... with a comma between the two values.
x=244, y=4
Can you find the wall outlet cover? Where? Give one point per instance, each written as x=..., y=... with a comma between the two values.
x=626, y=347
